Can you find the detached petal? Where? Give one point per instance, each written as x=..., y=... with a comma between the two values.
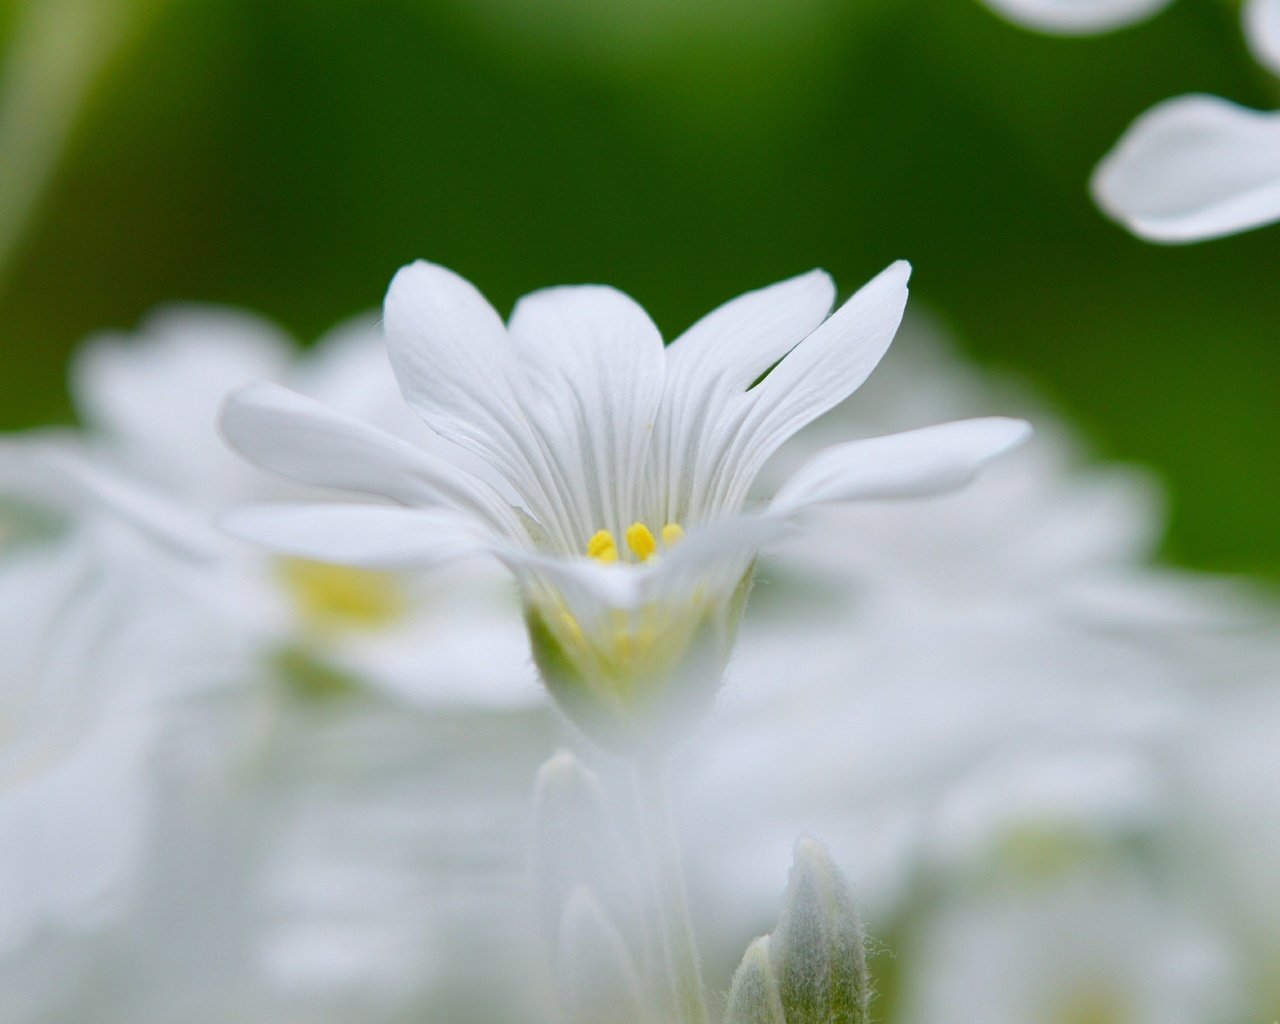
x=1076, y=17
x=366, y=536
x=594, y=368
x=305, y=440
x=913, y=464
x=1193, y=168
x=1261, y=20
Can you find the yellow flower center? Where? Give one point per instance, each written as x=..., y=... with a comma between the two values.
x=640, y=539
x=339, y=597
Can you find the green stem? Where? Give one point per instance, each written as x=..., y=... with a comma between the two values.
x=684, y=969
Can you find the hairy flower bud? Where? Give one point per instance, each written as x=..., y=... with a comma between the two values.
x=812, y=969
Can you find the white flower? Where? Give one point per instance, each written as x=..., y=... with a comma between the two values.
x=152, y=459
x=1101, y=947
x=1076, y=17
x=630, y=464
x=1193, y=168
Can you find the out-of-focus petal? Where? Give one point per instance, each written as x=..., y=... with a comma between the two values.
x=1193, y=168
x=1261, y=20
x=1076, y=17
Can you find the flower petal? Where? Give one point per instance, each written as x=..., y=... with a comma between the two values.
x=912, y=464
x=823, y=370
x=458, y=370
x=1076, y=17
x=712, y=558
x=594, y=366
x=711, y=366
x=366, y=536
x=58, y=471
x=1261, y=19
x=307, y=441
x=1193, y=168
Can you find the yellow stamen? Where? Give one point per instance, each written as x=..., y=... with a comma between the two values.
x=672, y=534
x=602, y=547
x=640, y=540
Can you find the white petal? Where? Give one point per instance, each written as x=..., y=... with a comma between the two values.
x=368, y=536
x=1076, y=17
x=735, y=343
x=458, y=370
x=711, y=366
x=713, y=557
x=62, y=473
x=913, y=464
x=1192, y=168
x=824, y=369
x=302, y=439
x=595, y=366
x=590, y=589
x=158, y=391
x=1261, y=20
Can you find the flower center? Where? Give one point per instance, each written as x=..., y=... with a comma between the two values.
x=338, y=597
x=640, y=539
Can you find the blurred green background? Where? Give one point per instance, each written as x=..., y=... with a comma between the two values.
x=288, y=155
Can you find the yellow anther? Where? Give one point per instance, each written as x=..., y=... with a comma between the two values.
x=640, y=540
x=602, y=547
x=672, y=534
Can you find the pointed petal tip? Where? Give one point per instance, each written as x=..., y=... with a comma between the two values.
x=1009, y=432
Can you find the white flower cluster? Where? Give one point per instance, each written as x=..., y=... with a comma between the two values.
x=293, y=781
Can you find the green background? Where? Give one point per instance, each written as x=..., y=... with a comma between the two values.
x=288, y=155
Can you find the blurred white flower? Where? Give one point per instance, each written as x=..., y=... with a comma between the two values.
x=154, y=459
x=1003, y=660
x=1076, y=17
x=1102, y=947
x=1193, y=168
x=280, y=777
x=1229, y=768
x=615, y=448
x=76, y=732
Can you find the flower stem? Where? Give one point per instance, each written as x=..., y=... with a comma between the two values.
x=684, y=969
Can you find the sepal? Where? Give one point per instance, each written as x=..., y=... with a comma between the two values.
x=812, y=969
x=597, y=975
